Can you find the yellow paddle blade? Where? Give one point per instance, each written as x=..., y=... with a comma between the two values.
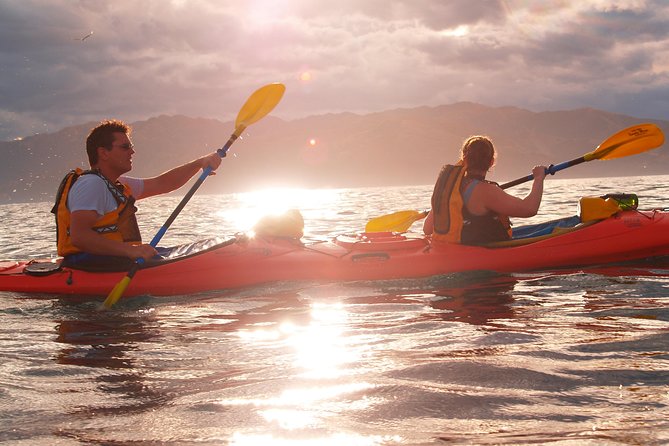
x=117, y=292
x=258, y=105
x=636, y=139
x=399, y=221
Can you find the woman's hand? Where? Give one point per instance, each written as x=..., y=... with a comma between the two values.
x=539, y=172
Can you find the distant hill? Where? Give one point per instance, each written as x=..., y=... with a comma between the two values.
x=395, y=147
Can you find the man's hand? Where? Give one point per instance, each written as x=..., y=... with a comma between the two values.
x=212, y=160
x=143, y=251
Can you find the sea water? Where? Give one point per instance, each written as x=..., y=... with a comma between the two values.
x=566, y=357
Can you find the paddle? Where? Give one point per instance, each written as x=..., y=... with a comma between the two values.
x=257, y=106
x=399, y=221
x=631, y=141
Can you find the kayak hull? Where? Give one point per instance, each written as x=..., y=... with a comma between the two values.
x=242, y=262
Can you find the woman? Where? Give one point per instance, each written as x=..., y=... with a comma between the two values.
x=466, y=208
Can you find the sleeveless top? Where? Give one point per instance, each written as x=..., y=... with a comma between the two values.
x=481, y=229
x=453, y=223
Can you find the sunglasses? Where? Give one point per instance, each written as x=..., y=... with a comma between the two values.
x=126, y=146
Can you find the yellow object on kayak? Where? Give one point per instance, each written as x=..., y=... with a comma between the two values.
x=599, y=208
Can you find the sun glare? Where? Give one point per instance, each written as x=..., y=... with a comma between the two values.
x=305, y=76
x=252, y=206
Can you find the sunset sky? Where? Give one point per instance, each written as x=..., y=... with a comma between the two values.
x=66, y=62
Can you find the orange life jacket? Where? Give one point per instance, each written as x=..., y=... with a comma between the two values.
x=119, y=224
x=452, y=222
x=447, y=204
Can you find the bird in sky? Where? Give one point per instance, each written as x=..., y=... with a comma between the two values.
x=85, y=37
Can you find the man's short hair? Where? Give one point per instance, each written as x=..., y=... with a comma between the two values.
x=103, y=136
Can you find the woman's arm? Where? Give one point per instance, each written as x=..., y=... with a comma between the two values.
x=490, y=197
x=428, y=224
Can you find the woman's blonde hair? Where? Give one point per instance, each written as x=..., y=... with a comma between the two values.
x=478, y=153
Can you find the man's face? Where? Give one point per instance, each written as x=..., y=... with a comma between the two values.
x=119, y=157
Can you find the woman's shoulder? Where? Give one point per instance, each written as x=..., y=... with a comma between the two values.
x=471, y=183
x=485, y=192
x=478, y=191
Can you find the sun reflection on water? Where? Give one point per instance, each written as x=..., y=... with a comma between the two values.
x=323, y=358
x=321, y=348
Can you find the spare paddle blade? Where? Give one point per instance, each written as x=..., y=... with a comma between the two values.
x=117, y=292
x=399, y=221
x=631, y=141
x=259, y=104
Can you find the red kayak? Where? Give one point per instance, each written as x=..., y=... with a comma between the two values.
x=244, y=261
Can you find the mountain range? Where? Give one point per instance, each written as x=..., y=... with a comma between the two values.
x=389, y=148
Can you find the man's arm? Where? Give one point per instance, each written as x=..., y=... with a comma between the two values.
x=88, y=240
x=177, y=177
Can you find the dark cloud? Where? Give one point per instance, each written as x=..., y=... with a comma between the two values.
x=203, y=58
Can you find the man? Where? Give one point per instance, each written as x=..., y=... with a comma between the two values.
x=95, y=212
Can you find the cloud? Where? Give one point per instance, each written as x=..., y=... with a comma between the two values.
x=204, y=57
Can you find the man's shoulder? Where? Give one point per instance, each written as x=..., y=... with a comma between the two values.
x=89, y=192
x=88, y=180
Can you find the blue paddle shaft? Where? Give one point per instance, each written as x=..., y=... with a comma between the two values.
x=222, y=152
x=550, y=170
x=159, y=235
